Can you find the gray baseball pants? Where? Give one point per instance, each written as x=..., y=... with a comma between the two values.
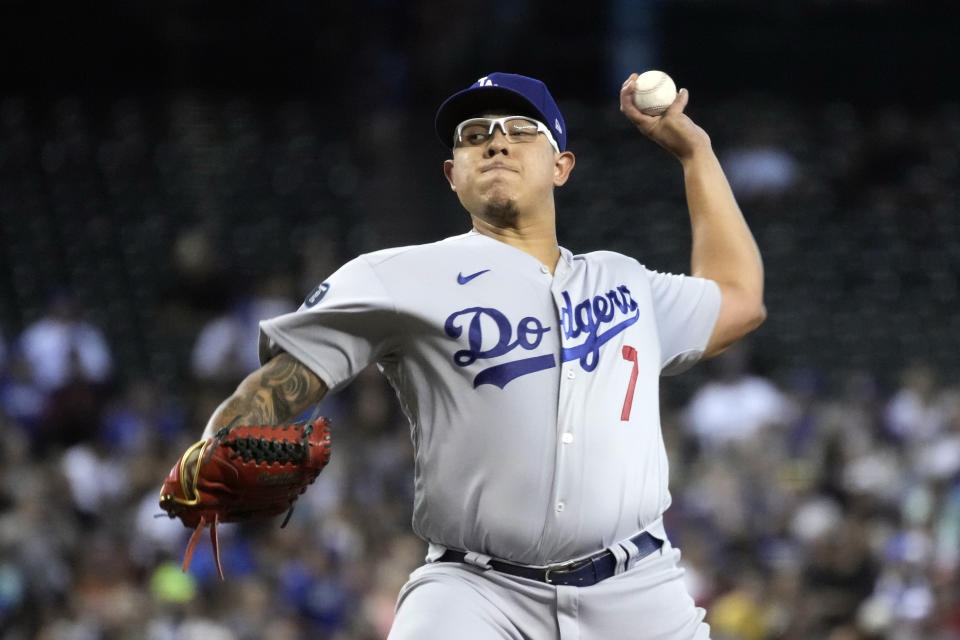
x=450, y=600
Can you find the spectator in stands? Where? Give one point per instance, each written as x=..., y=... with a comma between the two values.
x=226, y=349
x=736, y=405
x=916, y=413
x=60, y=346
x=70, y=362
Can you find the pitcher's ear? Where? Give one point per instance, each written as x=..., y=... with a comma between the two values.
x=448, y=173
x=562, y=166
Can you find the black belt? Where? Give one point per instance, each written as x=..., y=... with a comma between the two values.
x=579, y=573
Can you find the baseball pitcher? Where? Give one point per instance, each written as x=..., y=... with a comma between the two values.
x=529, y=376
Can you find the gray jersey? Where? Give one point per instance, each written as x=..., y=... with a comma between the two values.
x=532, y=398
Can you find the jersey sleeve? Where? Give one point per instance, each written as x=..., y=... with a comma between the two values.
x=342, y=326
x=686, y=310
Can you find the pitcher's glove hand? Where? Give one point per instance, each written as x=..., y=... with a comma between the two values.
x=244, y=473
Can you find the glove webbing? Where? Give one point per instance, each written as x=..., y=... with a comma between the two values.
x=263, y=451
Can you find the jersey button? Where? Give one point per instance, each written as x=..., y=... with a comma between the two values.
x=567, y=438
x=560, y=506
x=544, y=269
x=570, y=374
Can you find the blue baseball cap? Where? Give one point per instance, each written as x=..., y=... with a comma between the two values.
x=520, y=94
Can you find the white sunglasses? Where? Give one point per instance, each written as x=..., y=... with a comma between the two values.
x=476, y=131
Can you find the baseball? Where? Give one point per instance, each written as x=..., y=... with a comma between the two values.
x=655, y=91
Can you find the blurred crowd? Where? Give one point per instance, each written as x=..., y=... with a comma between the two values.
x=804, y=508
x=815, y=470
x=85, y=552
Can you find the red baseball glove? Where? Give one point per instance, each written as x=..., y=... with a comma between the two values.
x=244, y=473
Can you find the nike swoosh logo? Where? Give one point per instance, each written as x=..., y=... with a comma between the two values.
x=462, y=279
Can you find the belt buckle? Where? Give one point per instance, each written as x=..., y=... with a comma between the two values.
x=567, y=567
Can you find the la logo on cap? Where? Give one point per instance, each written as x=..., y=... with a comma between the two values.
x=485, y=82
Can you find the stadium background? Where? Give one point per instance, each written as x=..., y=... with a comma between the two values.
x=169, y=168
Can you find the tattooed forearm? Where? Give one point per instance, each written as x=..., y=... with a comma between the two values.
x=288, y=383
x=278, y=391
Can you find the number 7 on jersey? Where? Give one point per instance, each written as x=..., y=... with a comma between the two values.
x=630, y=355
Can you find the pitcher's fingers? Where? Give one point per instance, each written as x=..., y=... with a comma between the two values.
x=679, y=103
